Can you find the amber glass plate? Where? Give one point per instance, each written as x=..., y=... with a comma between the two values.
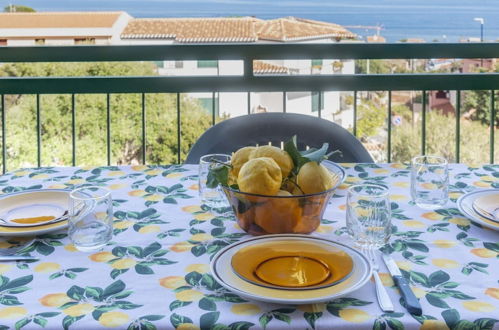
x=292, y=265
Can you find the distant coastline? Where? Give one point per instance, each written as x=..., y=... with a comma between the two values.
x=437, y=20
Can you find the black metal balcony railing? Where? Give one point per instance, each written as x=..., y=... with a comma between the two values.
x=247, y=82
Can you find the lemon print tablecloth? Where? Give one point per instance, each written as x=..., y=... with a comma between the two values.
x=155, y=272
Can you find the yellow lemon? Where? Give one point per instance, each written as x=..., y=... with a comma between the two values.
x=70, y=248
x=78, y=310
x=21, y=173
x=354, y=315
x=4, y=268
x=172, y=282
x=154, y=198
x=193, y=187
x=460, y=221
x=115, y=173
x=455, y=195
x=189, y=295
x=398, y=197
x=139, y=168
x=429, y=186
x=488, y=178
x=481, y=184
x=123, y=224
x=117, y=186
x=386, y=279
x=312, y=308
x=113, y=319
x=149, y=229
x=314, y=178
x=281, y=157
x=444, y=243
x=124, y=263
x=200, y=268
x=57, y=186
x=398, y=166
x=102, y=256
x=239, y=158
x=181, y=247
x=324, y=229
x=484, y=253
x=13, y=312
x=381, y=171
x=401, y=184
x=100, y=215
x=445, y=263
x=405, y=265
x=418, y=292
x=492, y=292
x=245, y=309
x=204, y=216
x=40, y=176
x=173, y=175
x=342, y=207
x=343, y=186
x=154, y=172
x=137, y=193
x=187, y=326
x=432, y=216
x=54, y=299
x=352, y=179
x=433, y=325
x=413, y=224
x=260, y=176
x=478, y=306
x=191, y=208
x=76, y=181
x=201, y=237
x=47, y=267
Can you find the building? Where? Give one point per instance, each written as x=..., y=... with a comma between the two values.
x=252, y=30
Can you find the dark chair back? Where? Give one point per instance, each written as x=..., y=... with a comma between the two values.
x=262, y=128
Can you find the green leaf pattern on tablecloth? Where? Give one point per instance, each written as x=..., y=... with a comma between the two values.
x=155, y=272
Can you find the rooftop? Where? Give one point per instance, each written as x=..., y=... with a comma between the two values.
x=58, y=20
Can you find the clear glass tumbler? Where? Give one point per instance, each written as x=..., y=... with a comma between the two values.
x=90, y=218
x=213, y=197
x=429, y=182
x=368, y=215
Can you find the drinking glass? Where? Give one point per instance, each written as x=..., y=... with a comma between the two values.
x=368, y=215
x=429, y=181
x=213, y=197
x=90, y=218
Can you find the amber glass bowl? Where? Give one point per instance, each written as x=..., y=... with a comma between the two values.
x=299, y=214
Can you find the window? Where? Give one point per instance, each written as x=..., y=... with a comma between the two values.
x=179, y=64
x=85, y=41
x=317, y=101
x=39, y=41
x=3, y=42
x=207, y=64
x=207, y=105
x=316, y=63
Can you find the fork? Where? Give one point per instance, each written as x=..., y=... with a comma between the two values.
x=384, y=300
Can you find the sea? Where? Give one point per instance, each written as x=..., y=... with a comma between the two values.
x=396, y=20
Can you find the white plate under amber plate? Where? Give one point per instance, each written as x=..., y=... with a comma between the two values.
x=465, y=203
x=354, y=277
x=33, y=212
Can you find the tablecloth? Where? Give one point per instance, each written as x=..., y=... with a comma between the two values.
x=155, y=272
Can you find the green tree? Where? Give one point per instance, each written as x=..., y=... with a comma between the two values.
x=370, y=119
x=477, y=106
x=375, y=67
x=91, y=120
x=18, y=9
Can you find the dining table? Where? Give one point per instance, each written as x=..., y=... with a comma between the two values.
x=155, y=271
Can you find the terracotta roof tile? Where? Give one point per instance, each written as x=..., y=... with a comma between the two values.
x=58, y=20
x=245, y=29
x=260, y=67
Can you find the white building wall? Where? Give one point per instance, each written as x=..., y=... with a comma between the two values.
x=20, y=42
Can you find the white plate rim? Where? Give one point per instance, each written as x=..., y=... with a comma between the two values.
x=364, y=278
x=470, y=214
x=31, y=230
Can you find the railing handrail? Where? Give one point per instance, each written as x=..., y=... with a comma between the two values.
x=247, y=52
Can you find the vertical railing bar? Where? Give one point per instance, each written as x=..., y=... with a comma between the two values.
x=143, y=128
x=4, y=148
x=492, y=124
x=389, y=156
x=320, y=105
x=212, y=108
x=284, y=101
x=73, y=129
x=355, y=113
x=458, y=126
x=108, y=126
x=423, y=126
x=178, y=128
x=249, y=102
x=38, y=132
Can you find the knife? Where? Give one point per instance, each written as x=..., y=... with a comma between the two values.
x=412, y=303
x=17, y=258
